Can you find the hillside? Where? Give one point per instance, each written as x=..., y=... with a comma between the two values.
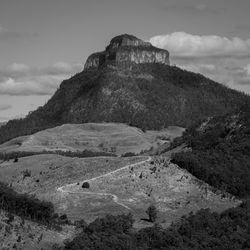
x=219, y=153
x=115, y=138
x=17, y=233
x=130, y=82
x=117, y=185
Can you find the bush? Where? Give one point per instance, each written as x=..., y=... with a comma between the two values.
x=128, y=154
x=152, y=213
x=85, y=185
x=26, y=173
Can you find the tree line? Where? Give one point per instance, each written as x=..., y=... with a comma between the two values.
x=5, y=156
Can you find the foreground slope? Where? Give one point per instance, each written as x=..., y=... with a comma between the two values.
x=130, y=82
x=117, y=185
x=17, y=233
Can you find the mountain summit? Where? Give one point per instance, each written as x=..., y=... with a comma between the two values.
x=130, y=82
x=125, y=50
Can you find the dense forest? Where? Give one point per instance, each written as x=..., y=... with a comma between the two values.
x=149, y=96
x=220, y=152
x=203, y=230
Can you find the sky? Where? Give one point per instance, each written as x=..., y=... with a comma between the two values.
x=43, y=42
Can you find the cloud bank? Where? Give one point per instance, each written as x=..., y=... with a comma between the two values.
x=223, y=59
x=182, y=44
x=23, y=80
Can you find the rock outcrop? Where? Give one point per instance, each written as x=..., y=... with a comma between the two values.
x=126, y=50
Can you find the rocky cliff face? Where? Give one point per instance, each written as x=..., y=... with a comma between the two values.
x=125, y=50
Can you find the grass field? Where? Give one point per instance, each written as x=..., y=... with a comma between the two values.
x=114, y=138
x=174, y=191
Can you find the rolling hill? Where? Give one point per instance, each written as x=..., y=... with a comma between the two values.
x=115, y=138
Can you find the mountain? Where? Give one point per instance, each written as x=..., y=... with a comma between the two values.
x=220, y=152
x=130, y=82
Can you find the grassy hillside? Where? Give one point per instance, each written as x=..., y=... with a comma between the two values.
x=174, y=191
x=148, y=96
x=117, y=139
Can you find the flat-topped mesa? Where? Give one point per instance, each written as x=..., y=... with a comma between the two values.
x=125, y=50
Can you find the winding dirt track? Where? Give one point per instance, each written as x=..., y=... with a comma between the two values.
x=66, y=188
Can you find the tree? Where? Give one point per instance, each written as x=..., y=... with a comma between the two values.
x=85, y=185
x=152, y=213
x=16, y=159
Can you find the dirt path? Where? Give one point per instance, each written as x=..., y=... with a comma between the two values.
x=66, y=188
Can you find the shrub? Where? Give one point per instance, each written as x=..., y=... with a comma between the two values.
x=152, y=213
x=85, y=185
x=26, y=173
x=128, y=154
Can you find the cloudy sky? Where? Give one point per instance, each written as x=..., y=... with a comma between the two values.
x=43, y=42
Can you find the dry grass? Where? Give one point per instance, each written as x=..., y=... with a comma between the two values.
x=174, y=191
x=97, y=137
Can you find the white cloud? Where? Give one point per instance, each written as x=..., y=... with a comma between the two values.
x=182, y=44
x=247, y=69
x=39, y=85
x=22, y=80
